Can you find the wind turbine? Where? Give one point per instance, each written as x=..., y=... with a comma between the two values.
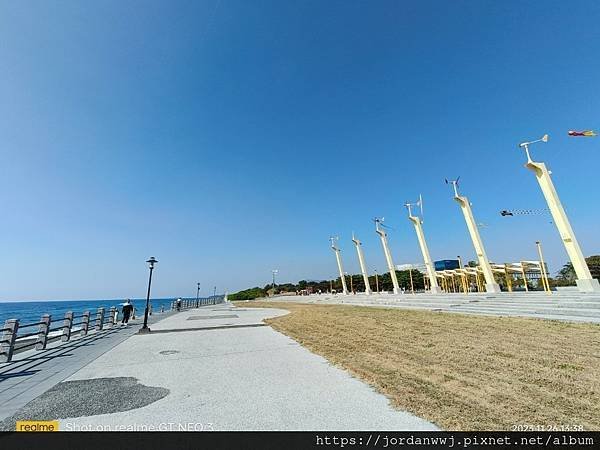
x=418, y=223
x=484, y=263
x=379, y=229
x=333, y=240
x=363, y=266
x=584, y=281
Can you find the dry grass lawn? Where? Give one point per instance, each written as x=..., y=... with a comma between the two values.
x=461, y=372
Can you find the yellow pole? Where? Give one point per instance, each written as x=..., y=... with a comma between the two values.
x=481, y=289
x=508, y=283
x=462, y=277
x=412, y=287
x=545, y=281
x=524, y=277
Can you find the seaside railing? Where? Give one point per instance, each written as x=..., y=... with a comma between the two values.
x=13, y=339
x=72, y=325
x=187, y=303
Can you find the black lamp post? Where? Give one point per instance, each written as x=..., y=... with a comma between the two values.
x=151, y=263
x=198, y=295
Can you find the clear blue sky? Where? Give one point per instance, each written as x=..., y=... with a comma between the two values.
x=230, y=137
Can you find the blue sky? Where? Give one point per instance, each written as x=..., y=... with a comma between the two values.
x=230, y=137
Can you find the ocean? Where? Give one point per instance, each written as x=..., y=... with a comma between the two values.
x=29, y=312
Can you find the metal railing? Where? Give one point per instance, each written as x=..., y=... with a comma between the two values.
x=13, y=340
x=188, y=303
x=74, y=325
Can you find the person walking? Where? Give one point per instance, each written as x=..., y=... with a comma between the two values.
x=127, y=309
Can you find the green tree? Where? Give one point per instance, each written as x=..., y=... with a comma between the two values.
x=567, y=276
x=248, y=294
x=404, y=279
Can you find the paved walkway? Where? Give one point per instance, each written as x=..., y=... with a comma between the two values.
x=32, y=372
x=224, y=370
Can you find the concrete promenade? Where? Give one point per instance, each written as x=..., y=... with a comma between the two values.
x=216, y=368
x=569, y=305
x=32, y=372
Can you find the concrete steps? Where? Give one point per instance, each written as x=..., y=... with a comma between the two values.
x=571, y=306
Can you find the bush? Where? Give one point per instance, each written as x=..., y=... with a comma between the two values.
x=248, y=294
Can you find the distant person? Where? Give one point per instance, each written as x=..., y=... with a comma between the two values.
x=178, y=304
x=127, y=310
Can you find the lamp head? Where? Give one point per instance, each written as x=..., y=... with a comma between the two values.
x=151, y=262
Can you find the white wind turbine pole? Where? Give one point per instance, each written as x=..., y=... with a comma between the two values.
x=339, y=263
x=484, y=263
x=584, y=281
x=388, y=255
x=418, y=223
x=363, y=266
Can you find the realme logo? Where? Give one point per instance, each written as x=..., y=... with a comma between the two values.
x=37, y=425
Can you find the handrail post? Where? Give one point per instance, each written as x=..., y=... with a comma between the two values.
x=7, y=346
x=111, y=319
x=43, y=330
x=99, y=319
x=67, y=325
x=85, y=323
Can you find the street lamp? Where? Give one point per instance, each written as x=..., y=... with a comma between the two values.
x=214, y=292
x=145, y=328
x=412, y=286
x=275, y=271
x=198, y=295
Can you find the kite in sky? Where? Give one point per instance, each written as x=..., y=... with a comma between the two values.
x=587, y=133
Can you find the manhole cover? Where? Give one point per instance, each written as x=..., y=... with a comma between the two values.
x=168, y=352
x=218, y=316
